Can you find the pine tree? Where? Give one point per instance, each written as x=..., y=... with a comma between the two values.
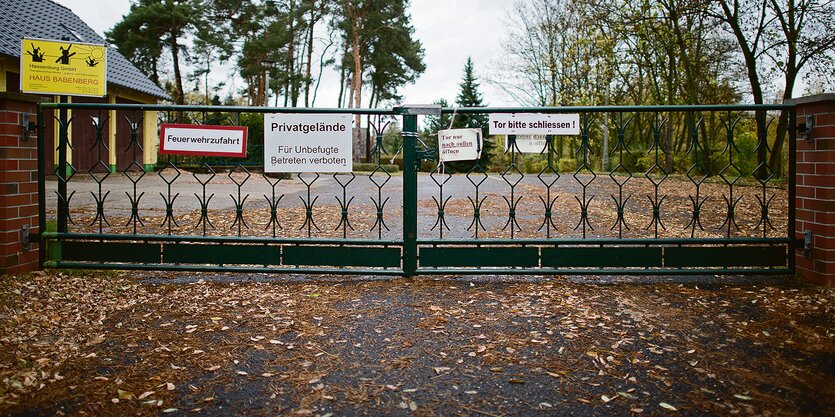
x=380, y=48
x=432, y=124
x=469, y=96
x=152, y=26
x=436, y=123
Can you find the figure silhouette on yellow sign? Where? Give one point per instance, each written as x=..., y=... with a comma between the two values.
x=37, y=55
x=91, y=62
x=65, y=55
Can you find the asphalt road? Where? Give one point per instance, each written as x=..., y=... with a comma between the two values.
x=365, y=192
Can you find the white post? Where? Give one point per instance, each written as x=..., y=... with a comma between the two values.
x=267, y=88
x=604, y=162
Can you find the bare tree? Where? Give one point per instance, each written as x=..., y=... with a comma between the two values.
x=780, y=37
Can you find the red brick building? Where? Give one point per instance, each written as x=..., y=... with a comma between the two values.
x=18, y=143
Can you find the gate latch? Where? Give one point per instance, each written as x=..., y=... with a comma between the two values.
x=806, y=128
x=423, y=153
x=27, y=127
x=27, y=238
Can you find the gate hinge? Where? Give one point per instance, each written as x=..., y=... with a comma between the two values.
x=27, y=127
x=806, y=243
x=805, y=129
x=28, y=238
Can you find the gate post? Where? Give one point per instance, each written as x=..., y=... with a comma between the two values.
x=19, y=220
x=815, y=192
x=410, y=168
x=63, y=140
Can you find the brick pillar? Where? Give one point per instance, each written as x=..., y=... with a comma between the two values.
x=815, y=179
x=18, y=183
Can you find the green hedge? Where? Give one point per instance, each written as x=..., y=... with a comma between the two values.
x=425, y=166
x=368, y=167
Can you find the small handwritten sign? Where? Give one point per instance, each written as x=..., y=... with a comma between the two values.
x=459, y=144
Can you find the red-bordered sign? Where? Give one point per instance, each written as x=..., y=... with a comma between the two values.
x=182, y=139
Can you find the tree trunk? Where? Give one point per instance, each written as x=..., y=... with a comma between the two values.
x=342, y=71
x=178, y=79
x=307, y=79
x=357, y=81
x=206, y=85
x=249, y=91
x=155, y=73
x=790, y=27
x=732, y=20
x=668, y=133
x=775, y=162
x=260, y=96
x=604, y=163
x=319, y=76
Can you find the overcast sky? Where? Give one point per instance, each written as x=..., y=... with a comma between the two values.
x=450, y=30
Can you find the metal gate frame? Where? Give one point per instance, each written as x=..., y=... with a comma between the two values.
x=411, y=256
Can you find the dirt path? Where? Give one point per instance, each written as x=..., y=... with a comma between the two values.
x=122, y=344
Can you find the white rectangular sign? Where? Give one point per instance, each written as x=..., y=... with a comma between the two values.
x=307, y=143
x=459, y=144
x=181, y=139
x=534, y=124
x=528, y=143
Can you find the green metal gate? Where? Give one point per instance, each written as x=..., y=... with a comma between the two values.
x=701, y=204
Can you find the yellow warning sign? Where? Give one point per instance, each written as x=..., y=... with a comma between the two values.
x=63, y=68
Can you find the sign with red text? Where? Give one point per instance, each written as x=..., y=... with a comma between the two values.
x=181, y=139
x=308, y=142
x=534, y=124
x=459, y=144
x=63, y=68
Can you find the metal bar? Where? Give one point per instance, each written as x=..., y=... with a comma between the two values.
x=226, y=109
x=410, y=167
x=617, y=109
x=220, y=239
x=792, y=232
x=605, y=241
x=213, y=268
x=600, y=271
x=41, y=186
x=63, y=138
x=422, y=271
x=447, y=110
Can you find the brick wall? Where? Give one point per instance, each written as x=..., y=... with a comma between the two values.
x=815, y=181
x=18, y=185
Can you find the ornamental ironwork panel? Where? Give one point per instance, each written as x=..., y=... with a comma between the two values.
x=640, y=190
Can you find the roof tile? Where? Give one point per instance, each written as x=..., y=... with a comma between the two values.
x=49, y=20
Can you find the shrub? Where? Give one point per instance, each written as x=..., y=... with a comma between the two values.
x=567, y=165
x=368, y=167
x=533, y=164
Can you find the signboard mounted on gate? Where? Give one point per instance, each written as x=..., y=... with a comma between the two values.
x=296, y=142
x=459, y=144
x=534, y=124
x=63, y=68
x=200, y=140
x=527, y=143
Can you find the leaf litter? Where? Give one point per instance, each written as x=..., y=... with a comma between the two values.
x=122, y=344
